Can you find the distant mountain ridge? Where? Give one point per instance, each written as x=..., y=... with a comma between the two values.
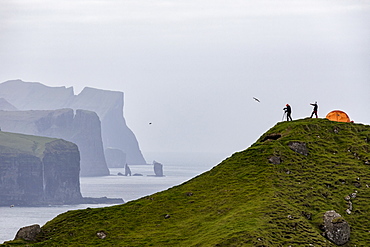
x=275, y=193
x=107, y=104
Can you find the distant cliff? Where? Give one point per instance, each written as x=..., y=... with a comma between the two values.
x=82, y=128
x=107, y=104
x=38, y=170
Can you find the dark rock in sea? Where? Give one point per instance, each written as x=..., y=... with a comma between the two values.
x=107, y=104
x=127, y=170
x=82, y=128
x=299, y=147
x=115, y=158
x=337, y=230
x=158, y=169
x=28, y=233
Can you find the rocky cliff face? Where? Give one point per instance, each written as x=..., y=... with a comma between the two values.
x=107, y=104
x=82, y=128
x=88, y=137
x=61, y=183
x=38, y=170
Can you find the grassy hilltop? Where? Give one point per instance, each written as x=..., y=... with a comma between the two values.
x=29, y=144
x=245, y=200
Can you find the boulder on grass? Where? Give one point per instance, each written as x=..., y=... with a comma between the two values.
x=28, y=233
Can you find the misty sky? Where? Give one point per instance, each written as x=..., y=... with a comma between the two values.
x=192, y=67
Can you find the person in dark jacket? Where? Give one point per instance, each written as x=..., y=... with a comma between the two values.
x=288, y=111
x=315, y=108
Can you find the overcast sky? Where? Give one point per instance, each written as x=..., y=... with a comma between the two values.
x=191, y=67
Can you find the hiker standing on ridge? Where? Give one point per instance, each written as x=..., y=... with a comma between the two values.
x=288, y=111
x=315, y=107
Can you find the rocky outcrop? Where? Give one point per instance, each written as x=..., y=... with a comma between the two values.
x=107, y=104
x=276, y=160
x=273, y=136
x=336, y=228
x=82, y=128
x=38, y=171
x=127, y=170
x=299, y=147
x=28, y=233
x=158, y=169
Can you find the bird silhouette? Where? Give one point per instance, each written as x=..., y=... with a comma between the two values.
x=256, y=99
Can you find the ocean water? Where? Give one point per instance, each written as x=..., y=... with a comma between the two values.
x=177, y=169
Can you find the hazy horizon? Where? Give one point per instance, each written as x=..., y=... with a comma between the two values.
x=192, y=68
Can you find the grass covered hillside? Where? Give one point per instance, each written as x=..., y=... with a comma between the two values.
x=29, y=144
x=267, y=195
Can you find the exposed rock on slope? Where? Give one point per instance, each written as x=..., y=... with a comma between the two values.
x=336, y=228
x=107, y=104
x=28, y=233
x=83, y=129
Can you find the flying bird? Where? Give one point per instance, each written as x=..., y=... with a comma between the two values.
x=256, y=99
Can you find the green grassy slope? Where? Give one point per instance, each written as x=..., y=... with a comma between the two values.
x=245, y=200
x=14, y=143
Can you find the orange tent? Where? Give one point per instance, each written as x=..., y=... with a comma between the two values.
x=338, y=116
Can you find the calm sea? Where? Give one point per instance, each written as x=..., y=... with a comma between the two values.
x=177, y=168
